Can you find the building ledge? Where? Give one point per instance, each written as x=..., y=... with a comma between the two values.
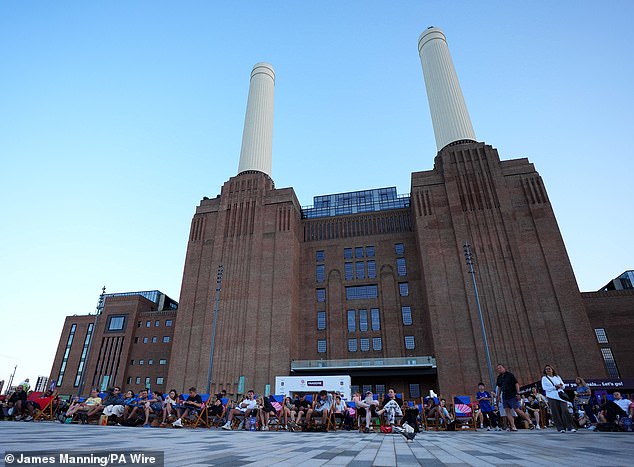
x=426, y=362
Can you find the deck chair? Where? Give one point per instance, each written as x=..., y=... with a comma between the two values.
x=46, y=410
x=218, y=420
x=203, y=418
x=433, y=421
x=463, y=413
x=276, y=420
x=194, y=416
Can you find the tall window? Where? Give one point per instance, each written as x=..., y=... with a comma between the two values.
x=414, y=390
x=358, y=252
x=403, y=288
x=360, y=268
x=369, y=251
x=377, y=344
x=84, y=353
x=352, y=345
x=320, y=256
x=347, y=253
x=406, y=312
x=399, y=249
x=320, y=272
x=321, y=320
x=137, y=380
x=401, y=268
x=166, y=339
x=352, y=322
x=371, y=269
x=363, y=320
x=321, y=295
x=365, y=344
x=159, y=380
x=154, y=340
x=147, y=381
x=148, y=324
x=409, y=342
x=348, y=273
x=602, y=337
x=376, y=322
x=157, y=323
x=321, y=346
x=610, y=363
x=69, y=342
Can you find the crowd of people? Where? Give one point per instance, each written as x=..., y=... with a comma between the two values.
x=505, y=408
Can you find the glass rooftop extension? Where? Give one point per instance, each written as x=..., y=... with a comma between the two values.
x=355, y=202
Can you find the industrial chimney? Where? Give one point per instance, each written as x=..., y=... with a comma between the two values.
x=449, y=114
x=257, y=137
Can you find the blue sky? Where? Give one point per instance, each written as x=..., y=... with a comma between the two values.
x=116, y=118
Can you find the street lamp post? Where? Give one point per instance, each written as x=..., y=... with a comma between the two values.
x=469, y=257
x=213, y=326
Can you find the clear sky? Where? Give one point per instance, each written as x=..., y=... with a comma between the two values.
x=117, y=117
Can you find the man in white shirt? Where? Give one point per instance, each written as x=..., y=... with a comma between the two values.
x=622, y=402
x=244, y=408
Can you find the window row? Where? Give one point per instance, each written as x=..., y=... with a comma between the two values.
x=152, y=340
x=361, y=316
x=360, y=270
x=363, y=344
x=359, y=252
x=157, y=323
x=148, y=380
x=162, y=361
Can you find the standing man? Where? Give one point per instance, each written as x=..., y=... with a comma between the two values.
x=509, y=388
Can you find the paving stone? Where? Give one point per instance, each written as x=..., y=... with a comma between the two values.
x=194, y=448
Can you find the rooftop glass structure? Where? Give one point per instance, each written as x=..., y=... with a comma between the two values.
x=155, y=296
x=356, y=202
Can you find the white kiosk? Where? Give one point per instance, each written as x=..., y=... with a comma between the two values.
x=288, y=385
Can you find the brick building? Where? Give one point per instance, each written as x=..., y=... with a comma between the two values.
x=611, y=314
x=127, y=342
x=375, y=285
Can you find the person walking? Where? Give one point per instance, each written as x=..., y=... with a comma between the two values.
x=509, y=388
x=553, y=384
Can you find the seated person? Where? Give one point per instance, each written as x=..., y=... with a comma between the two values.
x=613, y=409
x=192, y=405
x=82, y=408
x=302, y=406
x=16, y=403
x=288, y=411
x=171, y=402
x=137, y=407
x=246, y=407
x=368, y=404
x=444, y=412
x=112, y=405
x=321, y=407
x=38, y=403
x=340, y=411
x=391, y=407
x=532, y=409
x=265, y=413
x=437, y=411
x=217, y=408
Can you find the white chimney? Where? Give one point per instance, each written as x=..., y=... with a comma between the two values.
x=449, y=114
x=257, y=137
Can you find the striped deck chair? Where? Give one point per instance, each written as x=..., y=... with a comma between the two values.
x=463, y=413
x=276, y=420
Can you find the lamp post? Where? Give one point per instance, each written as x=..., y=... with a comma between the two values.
x=221, y=270
x=469, y=257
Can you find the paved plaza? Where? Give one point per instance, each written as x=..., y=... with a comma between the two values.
x=203, y=447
